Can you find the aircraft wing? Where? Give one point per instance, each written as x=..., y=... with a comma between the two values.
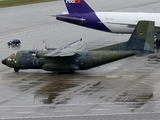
x=68, y=50
x=131, y=25
x=70, y=18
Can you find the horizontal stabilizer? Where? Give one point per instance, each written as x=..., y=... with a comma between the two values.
x=69, y=18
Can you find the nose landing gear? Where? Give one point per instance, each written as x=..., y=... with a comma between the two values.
x=16, y=69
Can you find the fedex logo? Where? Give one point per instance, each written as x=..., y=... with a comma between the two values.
x=73, y=1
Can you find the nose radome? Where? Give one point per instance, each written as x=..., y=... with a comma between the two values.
x=4, y=61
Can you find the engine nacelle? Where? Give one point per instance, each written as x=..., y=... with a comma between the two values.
x=59, y=67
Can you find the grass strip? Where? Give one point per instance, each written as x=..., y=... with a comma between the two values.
x=8, y=3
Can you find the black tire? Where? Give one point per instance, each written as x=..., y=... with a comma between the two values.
x=157, y=42
x=16, y=69
x=71, y=71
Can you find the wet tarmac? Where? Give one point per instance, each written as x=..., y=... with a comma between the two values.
x=123, y=89
x=127, y=89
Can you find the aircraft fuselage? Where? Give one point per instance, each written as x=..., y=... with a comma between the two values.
x=114, y=22
x=80, y=61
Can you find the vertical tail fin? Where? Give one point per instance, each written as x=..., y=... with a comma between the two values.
x=77, y=6
x=141, y=40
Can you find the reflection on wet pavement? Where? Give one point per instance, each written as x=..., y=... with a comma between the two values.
x=54, y=88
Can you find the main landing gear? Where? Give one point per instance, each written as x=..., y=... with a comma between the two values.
x=157, y=43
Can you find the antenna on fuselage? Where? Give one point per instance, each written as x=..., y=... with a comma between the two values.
x=45, y=45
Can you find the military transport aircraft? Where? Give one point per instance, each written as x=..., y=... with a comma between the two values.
x=72, y=57
x=80, y=13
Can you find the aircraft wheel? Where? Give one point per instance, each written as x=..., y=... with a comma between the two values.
x=157, y=42
x=71, y=71
x=16, y=69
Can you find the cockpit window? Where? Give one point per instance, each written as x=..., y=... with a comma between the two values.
x=9, y=59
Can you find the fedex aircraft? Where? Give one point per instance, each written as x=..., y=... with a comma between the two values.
x=80, y=13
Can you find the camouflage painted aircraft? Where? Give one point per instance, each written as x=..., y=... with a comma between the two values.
x=72, y=57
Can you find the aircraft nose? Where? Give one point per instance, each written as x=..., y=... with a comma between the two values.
x=4, y=61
